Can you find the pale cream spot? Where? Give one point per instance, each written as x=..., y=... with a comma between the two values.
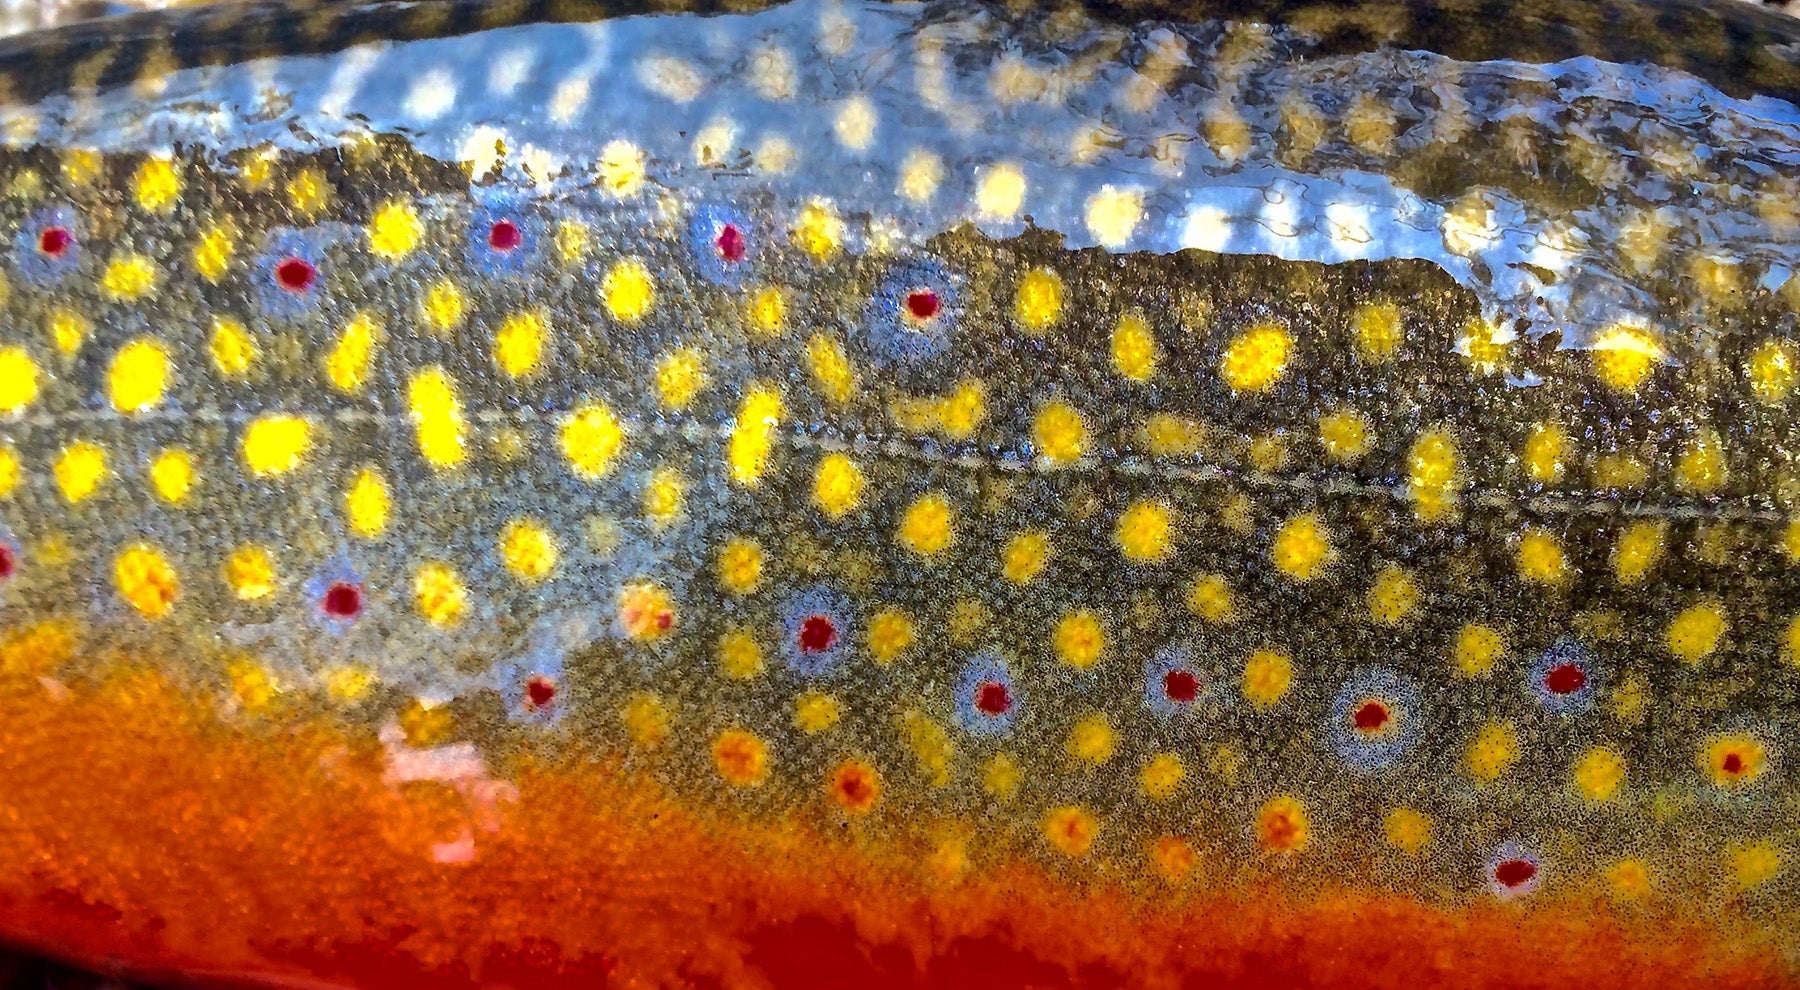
x=483, y=150
x=920, y=175
x=1113, y=213
x=856, y=120
x=570, y=97
x=432, y=95
x=1001, y=191
x=672, y=78
x=772, y=73
x=714, y=143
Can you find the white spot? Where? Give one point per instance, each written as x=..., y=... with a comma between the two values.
x=1347, y=224
x=570, y=96
x=1001, y=191
x=671, y=78
x=714, y=144
x=432, y=95
x=1469, y=227
x=1208, y=228
x=856, y=123
x=539, y=163
x=484, y=148
x=1113, y=214
x=510, y=70
x=837, y=32
x=772, y=73
x=776, y=155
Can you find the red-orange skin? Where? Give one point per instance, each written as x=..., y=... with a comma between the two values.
x=138, y=830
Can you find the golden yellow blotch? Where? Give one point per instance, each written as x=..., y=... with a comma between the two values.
x=753, y=435
x=1257, y=358
x=1624, y=355
x=308, y=192
x=1434, y=476
x=680, y=374
x=816, y=712
x=1599, y=773
x=250, y=573
x=591, y=440
x=1393, y=597
x=146, y=581
x=664, y=494
x=1541, y=559
x=927, y=527
x=1134, y=350
x=1545, y=449
x=1476, y=649
x=129, y=277
x=1058, y=431
x=18, y=379
x=139, y=375
x=629, y=290
x=768, y=311
x=1407, y=829
x=173, y=475
x=68, y=329
x=1773, y=370
x=830, y=368
x=1146, y=531
x=367, y=504
x=79, y=470
x=1162, y=776
x=1702, y=466
x=837, y=486
x=1070, y=830
x=1629, y=879
x=212, y=256
x=251, y=684
x=1754, y=864
x=1092, y=740
x=956, y=415
x=1696, y=632
x=1025, y=556
x=1000, y=777
x=443, y=305
x=1302, y=547
x=1040, y=301
x=528, y=549
x=1485, y=345
x=1493, y=751
x=519, y=343
x=740, y=566
x=930, y=745
x=156, y=185
x=1079, y=639
x=394, y=230
x=1209, y=597
x=1282, y=825
x=1639, y=549
x=890, y=634
x=348, y=684
x=1268, y=673
x=233, y=349
x=741, y=757
x=818, y=230
x=81, y=166
x=439, y=594
x=9, y=471
x=1344, y=436
x=572, y=240
x=275, y=444
x=347, y=364
x=1378, y=331
x=740, y=658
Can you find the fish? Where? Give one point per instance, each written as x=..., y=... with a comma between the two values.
x=951, y=493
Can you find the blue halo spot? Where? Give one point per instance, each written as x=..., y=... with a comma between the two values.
x=48, y=245
x=1174, y=685
x=532, y=687
x=337, y=595
x=1375, y=720
x=987, y=700
x=723, y=244
x=915, y=312
x=1514, y=871
x=505, y=238
x=1565, y=678
x=289, y=274
x=816, y=631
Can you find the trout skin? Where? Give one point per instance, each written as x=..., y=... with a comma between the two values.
x=937, y=494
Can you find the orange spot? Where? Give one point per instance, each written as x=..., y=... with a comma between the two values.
x=742, y=757
x=855, y=786
x=1281, y=825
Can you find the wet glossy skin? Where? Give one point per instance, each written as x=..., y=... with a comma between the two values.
x=898, y=494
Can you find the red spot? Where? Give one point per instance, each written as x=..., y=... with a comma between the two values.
x=1514, y=873
x=992, y=698
x=55, y=240
x=922, y=304
x=295, y=274
x=343, y=600
x=8, y=562
x=505, y=235
x=1371, y=716
x=730, y=243
x=1565, y=678
x=1733, y=764
x=1181, y=686
x=817, y=634
x=540, y=691
x=665, y=619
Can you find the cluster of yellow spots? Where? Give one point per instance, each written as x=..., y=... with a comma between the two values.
x=956, y=415
x=129, y=277
x=1434, y=476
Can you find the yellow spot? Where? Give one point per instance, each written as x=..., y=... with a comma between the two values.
x=1144, y=531
x=1282, y=825
x=67, y=330
x=1113, y=214
x=1624, y=355
x=1378, y=331
x=837, y=486
x=1544, y=451
x=1541, y=559
x=1080, y=639
x=1407, y=829
x=742, y=758
x=572, y=240
x=9, y=471
x=1702, y=467
x=1773, y=370
x=664, y=494
x=1257, y=358
x=920, y=175
x=1268, y=673
x=740, y=566
x=394, y=230
x=275, y=444
x=1059, y=433
x=1134, y=350
x=753, y=435
x=591, y=440
x=1000, y=777
x=156, y=185
x=129, y=277
x=740, y=658
x=816, y=712
x=621, y=169
x=366, y=503
x=680, y=374
x=928, y=526
x=1174, y=857
x=212, y=256
x=830, y=368
x=1161, y=776
x=855, y=124
x=250, y=573
x=1477, y=649
x=1620, y=471
x=1493, y=752
x=1434, y=476
x=519, y=343
x=444, y=305
x=1599, y=773
x=348, y=685
x=890, y=634
x=18, y=379
x=307, y=192
x=81, y=166
x=1629, y=879
x=646, y=611
x=1000, y=192
x=647, y=720
x=439, y=594
x=347, y=366
x=1790, y=541
x=79, y=470
x=1394, y=597
x=930, y=745
x=1756, y=863
x=1210, y=598
x=528, y=549
x=1639, y=549
x=425, y=725
x=1695, y=633
x=1040, y=300
x=146, y=581
x=139, y=376
x=1071, y=830
x=1302, y=547
x=1344, y=435
x=251, y=685
x=1485, y=346
x=1025, y=556
x=818, y=230
x=628, y=290
x=768, y=311
x=232, y=348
